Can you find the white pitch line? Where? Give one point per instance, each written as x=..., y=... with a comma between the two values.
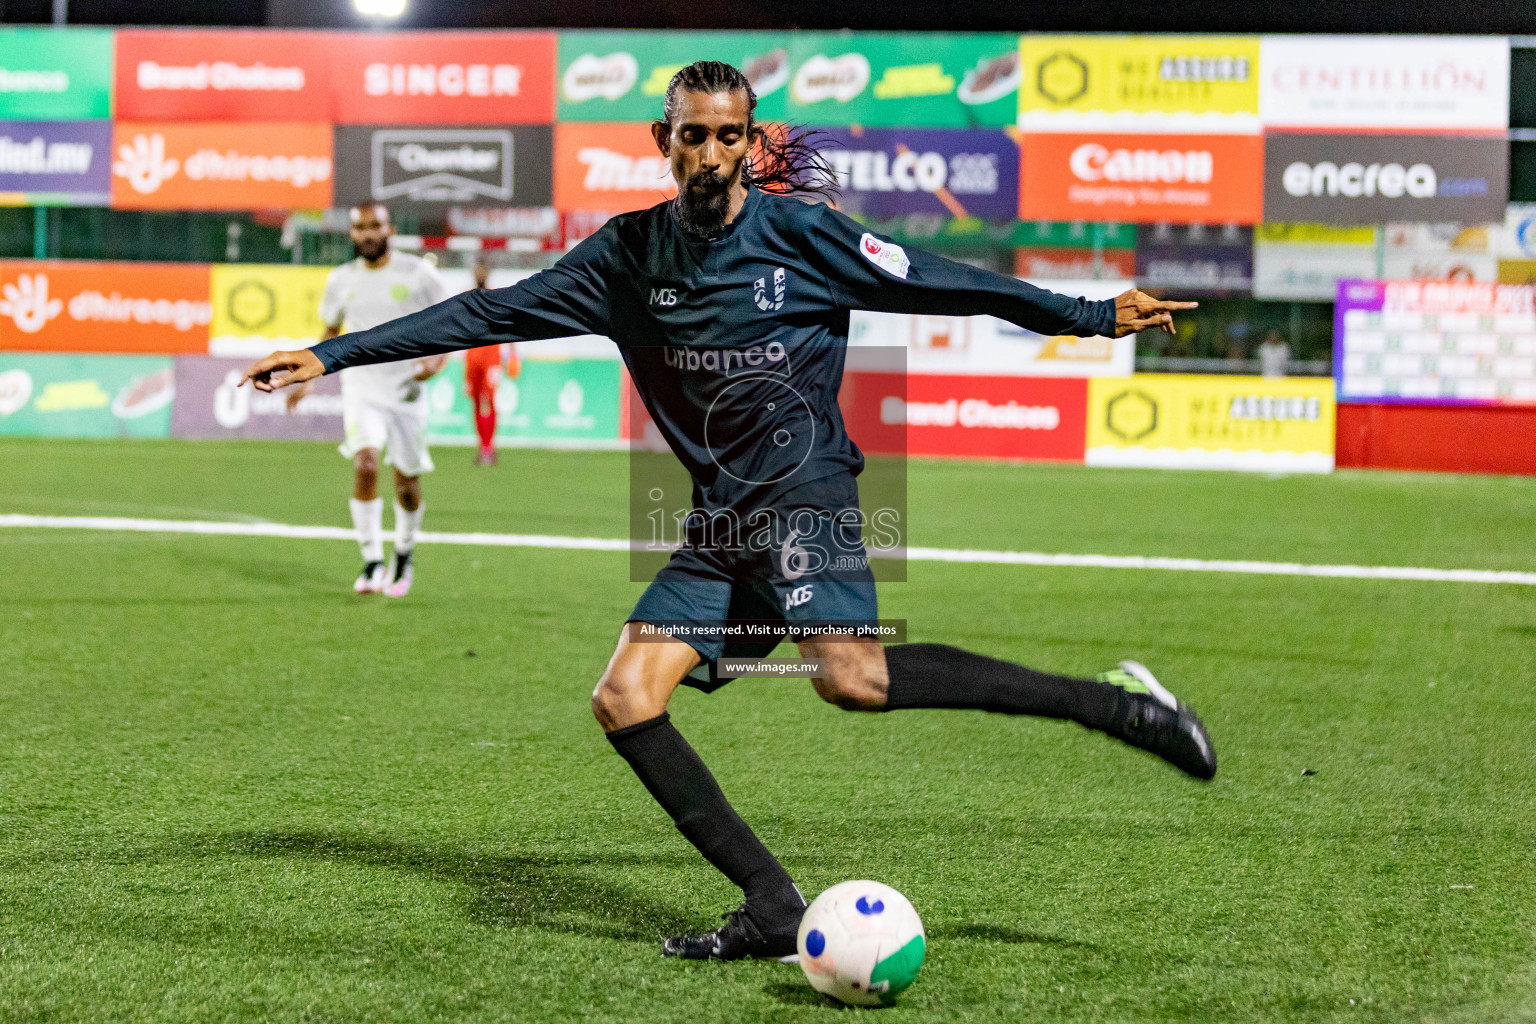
x=916, y=554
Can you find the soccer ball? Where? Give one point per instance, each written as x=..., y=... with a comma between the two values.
x=861, y=943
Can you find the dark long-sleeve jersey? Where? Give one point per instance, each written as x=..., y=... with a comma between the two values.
x=736, y=346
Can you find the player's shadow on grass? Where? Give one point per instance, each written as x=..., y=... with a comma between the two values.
x=568, y=894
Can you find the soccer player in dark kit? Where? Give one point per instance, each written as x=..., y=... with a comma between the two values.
x=730, y=306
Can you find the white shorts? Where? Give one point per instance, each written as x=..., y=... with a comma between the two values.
x=400, y=430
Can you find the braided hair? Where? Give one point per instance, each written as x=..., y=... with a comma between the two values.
x=783, y=159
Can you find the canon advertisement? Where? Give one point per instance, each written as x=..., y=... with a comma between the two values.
x=430, y=169
x=891, y=172
x=1371, y=179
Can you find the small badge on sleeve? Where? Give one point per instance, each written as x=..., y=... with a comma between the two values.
x=888, y=256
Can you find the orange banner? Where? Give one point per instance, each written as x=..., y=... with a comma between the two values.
x=1208, y=179
x=609, y=167
x=68, y=306
x=216, y=166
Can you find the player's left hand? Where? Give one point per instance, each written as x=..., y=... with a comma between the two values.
x=429, y=367
x=1135, y=310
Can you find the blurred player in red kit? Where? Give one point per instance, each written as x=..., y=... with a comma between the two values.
x=483, y=368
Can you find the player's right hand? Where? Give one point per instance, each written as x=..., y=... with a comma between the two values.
x=281, y=369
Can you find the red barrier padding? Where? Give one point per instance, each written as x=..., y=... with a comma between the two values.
x=1451, y=439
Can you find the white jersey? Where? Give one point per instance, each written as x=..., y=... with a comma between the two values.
x=358, y=297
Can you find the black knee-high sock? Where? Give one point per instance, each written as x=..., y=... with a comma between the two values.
x=678, y=779
x=940, y=676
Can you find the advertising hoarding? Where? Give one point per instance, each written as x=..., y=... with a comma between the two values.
x=611, y=168
x=210, y=405
x=1435, y=342
x=223, y=75
x=85, y=396
x=52, y=75
x=1211, y=179
x=984, y=345
x=1306, y=261
x=85, y=306
x=1213, y=421
x=1195, y=259
x=258, y=309
x=1154, y=83
x=220, y=166
x=1443, y=84
x=968, y=416
x=429, y=169
x=892, y=79
x=892, y=172
x=571, y=402
x=443, y=78
x=57, y=162
x=1372, y=178
x=623, y=76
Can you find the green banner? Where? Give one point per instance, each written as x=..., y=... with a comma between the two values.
x=927, y=231
x=570, y=400
x=51, y=74
x=892, y=79
x=623, y=76
x=85, y=396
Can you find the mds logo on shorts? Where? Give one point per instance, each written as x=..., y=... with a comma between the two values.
x=799, y=596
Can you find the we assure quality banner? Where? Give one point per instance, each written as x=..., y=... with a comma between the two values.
x=1215, y=421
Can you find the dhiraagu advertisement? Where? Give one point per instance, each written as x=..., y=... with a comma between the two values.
x=915, y=80
x=623, y=76
x=1170, y=421
x=557, y=402
x=1194, y=84
x=45, y=395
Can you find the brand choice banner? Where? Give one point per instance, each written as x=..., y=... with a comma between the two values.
x=198, y=75
x=890, y=172
x=210, y=404
x=968, y=416
x=1414, y=83
x=57, y=161
x=85, y=396
x=1215, y=421
x=443, y=78
x=432, y=168
x=623, y=76
x=1368, y=179
x=939, y=80
x=212, y=166
x=259, y=309
x=80, y=306
x=49, y=75
x=1130, y=83
x=1142, y=178
x=611, y=168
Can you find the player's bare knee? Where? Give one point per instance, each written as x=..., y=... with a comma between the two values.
x=852, y=687
x=617, y=694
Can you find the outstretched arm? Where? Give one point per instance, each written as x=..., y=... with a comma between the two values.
x=572, y=297
x=868, y=272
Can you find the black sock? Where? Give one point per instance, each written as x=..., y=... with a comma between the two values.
x=678, y=779
x=940, y=676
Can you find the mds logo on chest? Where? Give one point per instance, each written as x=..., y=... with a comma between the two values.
x=663, y=297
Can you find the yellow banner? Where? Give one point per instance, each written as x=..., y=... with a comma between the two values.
x=1314, y=234
x=1282, y=424
x=259, y=306
x=1103, y=80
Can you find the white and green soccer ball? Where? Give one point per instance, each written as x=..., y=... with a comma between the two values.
x=861, y=943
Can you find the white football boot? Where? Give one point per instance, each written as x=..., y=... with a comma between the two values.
x=401, y=584
x=370, y=580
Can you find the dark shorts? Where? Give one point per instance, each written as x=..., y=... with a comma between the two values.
x=813, y=572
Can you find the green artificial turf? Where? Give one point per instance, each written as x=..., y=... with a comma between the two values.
x=231, y=791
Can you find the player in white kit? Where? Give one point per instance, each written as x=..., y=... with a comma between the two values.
x=384, y=406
